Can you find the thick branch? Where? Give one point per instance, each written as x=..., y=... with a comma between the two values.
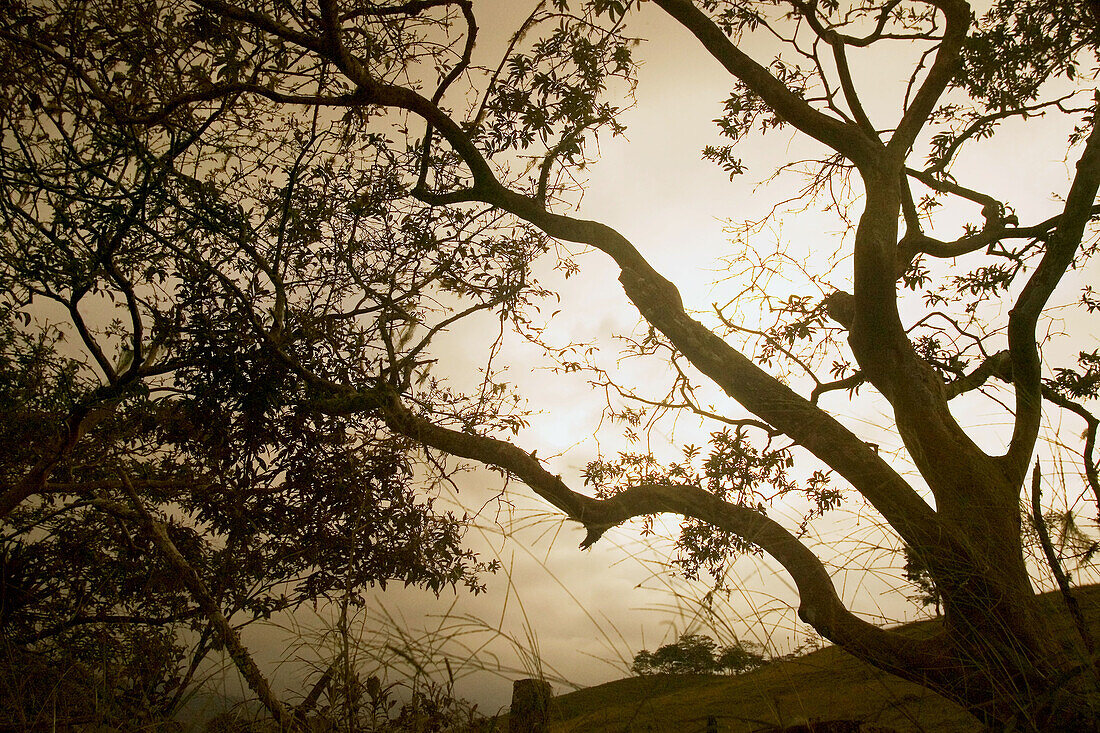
x=840, y=136
x=659, y=302
x=819, y=604
x=997, y=365
x=1062, y=247
x=264, y=23
x=956, y=468
x=158, y=534
x=851, y=96
x=944, y=185
x=939, y=76
x=852, y=381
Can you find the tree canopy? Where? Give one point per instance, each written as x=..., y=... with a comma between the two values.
x=232, y=232
x=698, y=654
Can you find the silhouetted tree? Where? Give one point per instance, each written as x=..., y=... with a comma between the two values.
x=697, y=654
x=286, y=202
x=690, y=654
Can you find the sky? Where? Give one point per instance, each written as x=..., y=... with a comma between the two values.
x=579, y=616
x=584, y=614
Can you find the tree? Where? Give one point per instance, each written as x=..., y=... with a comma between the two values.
x=740, y=657
x=697, y=654
x=299, y=197
x=690, y=654
x=91, y=581
x=163, y=474
x=918, y=575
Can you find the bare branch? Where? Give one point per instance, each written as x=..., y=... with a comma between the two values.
x=1061, y=249
x=158, y=534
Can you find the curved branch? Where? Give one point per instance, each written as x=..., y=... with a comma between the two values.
x=1062, y=247
x=998, y=365
x=957, y=13
x=945, y=186
x=916, y=242
x=852, y=381
x=264, y=23
x=941, y=162
x=659, y=302
x=876, y=34
x=820, y=606
x=840, y=136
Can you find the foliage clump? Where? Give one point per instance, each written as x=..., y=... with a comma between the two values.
x=699, y=654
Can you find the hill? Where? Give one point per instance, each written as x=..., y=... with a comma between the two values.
x=828, y=684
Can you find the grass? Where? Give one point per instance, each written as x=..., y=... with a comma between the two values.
x=827, y=684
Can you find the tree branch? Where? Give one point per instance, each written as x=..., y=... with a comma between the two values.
x=108, y=618
x=852, y=381
x=1062, y=247
x=819, y=604
x=940, y=164
x=158, y=534
x=1091, y=425
x=840, y=136
x=957, y=13
x=997, y=365
x=1055, y=565
x=837, y=42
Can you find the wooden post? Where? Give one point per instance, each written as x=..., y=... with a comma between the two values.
x=530, y=711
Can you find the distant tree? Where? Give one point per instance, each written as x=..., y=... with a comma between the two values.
x=740, y=657
x=285, y=202
x=697, y=654
x=690, y=654
x=917, y=574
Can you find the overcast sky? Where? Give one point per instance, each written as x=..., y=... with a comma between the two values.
x=584, y=614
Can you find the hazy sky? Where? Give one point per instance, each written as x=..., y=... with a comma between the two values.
x=573, y=609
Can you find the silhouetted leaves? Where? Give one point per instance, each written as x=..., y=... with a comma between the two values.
x=698, y=654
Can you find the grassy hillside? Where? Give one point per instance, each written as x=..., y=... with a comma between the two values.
x=828, y=684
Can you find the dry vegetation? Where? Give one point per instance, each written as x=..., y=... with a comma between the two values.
x=828, y=684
